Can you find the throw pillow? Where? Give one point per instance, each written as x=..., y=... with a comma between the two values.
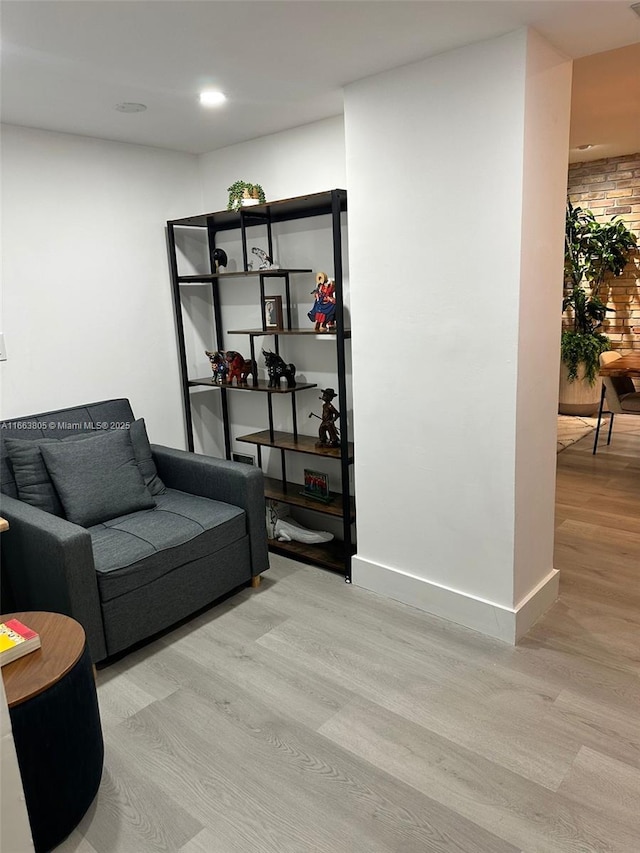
x=34, y=483
x=98, y=479
x=32, y=478
x=144, y=458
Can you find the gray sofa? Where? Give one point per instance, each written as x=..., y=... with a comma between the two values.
x=125, y=578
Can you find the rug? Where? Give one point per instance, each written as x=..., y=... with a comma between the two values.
x=573, y=428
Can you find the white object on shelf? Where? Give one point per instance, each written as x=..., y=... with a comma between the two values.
x=281, y=527
x=291, y=531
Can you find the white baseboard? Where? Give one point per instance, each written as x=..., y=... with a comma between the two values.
x=487, y=617
x=532, y=606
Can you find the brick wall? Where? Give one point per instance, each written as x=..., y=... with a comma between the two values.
x=609, y=188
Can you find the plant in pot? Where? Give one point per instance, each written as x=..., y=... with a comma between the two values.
x=594, y=252
x=242, y=193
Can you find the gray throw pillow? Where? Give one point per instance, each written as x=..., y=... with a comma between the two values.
x=97, y=479
x=32, y=478
x=34, y=483
x=144, y=458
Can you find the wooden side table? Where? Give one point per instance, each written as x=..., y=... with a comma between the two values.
x=55, y=719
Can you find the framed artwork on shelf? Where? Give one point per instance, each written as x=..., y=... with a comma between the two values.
x=316, y=486
x=273, y=312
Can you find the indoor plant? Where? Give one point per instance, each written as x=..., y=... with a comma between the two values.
x=594, y=251
x=242, y=193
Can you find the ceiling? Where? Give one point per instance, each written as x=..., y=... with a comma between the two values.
x=66, y=64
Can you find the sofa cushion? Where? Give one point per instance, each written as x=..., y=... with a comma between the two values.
x=136, y=549
x=32, y=478
x=97, y=479
x=34, y=484
x=33, y=481
x=144, y=458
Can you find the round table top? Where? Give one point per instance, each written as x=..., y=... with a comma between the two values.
x=63, y=642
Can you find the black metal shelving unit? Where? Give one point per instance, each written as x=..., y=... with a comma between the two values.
x=334, y=555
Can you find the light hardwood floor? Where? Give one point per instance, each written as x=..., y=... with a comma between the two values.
x=311, y=717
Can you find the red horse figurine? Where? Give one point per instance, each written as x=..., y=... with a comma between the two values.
x=229, y=365
x=239, y=367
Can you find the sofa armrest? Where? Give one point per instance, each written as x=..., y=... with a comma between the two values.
x=48, y=565
x=228, y=482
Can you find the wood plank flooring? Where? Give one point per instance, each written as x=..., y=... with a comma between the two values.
x=312, y=717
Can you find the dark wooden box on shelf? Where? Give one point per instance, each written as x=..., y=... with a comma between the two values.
x=337, y=554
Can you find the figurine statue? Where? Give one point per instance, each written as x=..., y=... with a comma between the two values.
x=239, y=368
x=323, y=311
x=219, y=258
x=328, y=433
x=265, y=261
x=282, y=527
x=230, y=365
x=277, y=368
x=218, y=365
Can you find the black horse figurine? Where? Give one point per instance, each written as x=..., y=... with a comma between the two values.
x=277, y=368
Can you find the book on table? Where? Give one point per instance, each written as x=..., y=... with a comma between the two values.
x=16, y=640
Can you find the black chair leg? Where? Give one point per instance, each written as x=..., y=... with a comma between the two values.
x=610, y=429
x=595, y=442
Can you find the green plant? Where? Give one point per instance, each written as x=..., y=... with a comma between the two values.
x=577, y=347
x=593, y=252
x=237, y=193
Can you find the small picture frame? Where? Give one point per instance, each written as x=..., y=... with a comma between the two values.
x=273, y=312
x=245, y=458
x=316, y=486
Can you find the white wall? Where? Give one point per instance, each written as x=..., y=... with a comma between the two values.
x=546, y=149
x=87, y=311
x=307, y=159
x=436, y=228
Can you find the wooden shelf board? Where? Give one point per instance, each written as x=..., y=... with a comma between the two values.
x=286, y=441
x=274, y=491
x=329, y=555
x=315, y=204
x=273, y=331
x=207, y=277
x=205, y=381
x=261, y=386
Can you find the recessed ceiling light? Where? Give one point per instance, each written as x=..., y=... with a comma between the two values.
x=127, y=107
x=585, y=147
x=212, y=99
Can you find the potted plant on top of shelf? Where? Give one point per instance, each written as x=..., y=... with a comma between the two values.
x=594, y=252
x=242, y=194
